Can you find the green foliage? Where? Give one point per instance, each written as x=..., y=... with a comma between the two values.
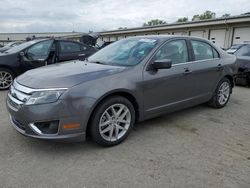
x=184, y=19
x=225, y=15
x=206, y=15
x=154, y=22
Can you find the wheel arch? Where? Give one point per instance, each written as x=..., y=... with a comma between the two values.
x=9, y=68
x=231, y=79
x=123, y=93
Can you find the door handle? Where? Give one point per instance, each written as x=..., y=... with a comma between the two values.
x=80, y=55
x=187, y=71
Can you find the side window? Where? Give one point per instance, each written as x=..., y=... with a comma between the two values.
x=40, y=50
x=69, y=47
x=216, y=54
x=202, y=50
x=244, y=51
x=176, y=51
x=84, y=48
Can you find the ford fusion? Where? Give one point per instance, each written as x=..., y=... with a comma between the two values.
x=128, y=81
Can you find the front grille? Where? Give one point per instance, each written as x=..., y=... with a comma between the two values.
x=12, y=103
x=17, y=96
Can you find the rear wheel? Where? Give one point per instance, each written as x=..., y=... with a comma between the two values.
x=222, y=94
x=112, y=121
x=6, y=78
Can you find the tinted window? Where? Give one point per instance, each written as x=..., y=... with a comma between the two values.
x=244, y=51
x=20, y=47
x=175, y=51
x=69, y=47
x=40, y=50
x=202, y=50
x=84, y=48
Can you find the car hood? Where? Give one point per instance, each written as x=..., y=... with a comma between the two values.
x=66, y=75
x=3, y=49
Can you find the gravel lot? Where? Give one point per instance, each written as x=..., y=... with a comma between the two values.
x=197, y=147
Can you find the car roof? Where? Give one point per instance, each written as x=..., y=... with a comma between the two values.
x=165, y=37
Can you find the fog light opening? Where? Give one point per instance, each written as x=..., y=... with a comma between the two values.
x=45, y=127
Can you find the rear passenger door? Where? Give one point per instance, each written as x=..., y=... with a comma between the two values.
x=69, y=50
x=206, y=67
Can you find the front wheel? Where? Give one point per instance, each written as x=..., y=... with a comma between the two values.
x=222, y=94
x=6, y=78
x=112, y=121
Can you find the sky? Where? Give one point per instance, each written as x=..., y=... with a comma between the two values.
x=101, y=15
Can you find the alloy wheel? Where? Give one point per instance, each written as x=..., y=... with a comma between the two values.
x=6, y=80
x=223, y=93
x=114, y=122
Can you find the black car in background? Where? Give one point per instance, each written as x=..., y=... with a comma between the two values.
x=242, y=52
x=37, y=53
x=104, y=44
x=10, y=45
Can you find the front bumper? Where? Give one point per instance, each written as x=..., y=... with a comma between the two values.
x=75, y=137
x=25, y=117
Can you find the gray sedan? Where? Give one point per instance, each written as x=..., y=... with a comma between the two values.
x=129, y=81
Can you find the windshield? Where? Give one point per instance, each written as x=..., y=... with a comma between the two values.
x=20, y=47
x=126, y=52
x=234, y=48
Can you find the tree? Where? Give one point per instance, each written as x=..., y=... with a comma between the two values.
x=120, y=28
x=196, y=17
x=184, y=19
x=154, y=22
x=225, y=15
x=206, y=15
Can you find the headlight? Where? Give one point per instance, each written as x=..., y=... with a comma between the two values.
x=44, y=97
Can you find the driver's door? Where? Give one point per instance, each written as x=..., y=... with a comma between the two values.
x=36, y=55
x=169, y=89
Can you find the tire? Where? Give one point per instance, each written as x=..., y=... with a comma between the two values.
x=6, y=78
x=222, y=94
x=108, y=127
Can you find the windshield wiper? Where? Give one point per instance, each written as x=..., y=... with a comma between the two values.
x=98, y=62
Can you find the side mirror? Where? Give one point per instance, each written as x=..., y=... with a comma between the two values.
x=162, y=64
x=82, y=56
x=22, y=54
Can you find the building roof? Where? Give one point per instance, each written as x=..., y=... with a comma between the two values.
x=176, y=25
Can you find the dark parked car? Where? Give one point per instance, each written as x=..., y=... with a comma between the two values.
x=10, y=45
x=104, y=44
x=243, y=58
x=37, y=53
x=130, y=80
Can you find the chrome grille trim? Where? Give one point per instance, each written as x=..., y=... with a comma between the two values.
x=28, y=90
x=18, y=94
x=14, y=99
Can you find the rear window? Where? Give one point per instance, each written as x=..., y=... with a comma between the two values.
x=203, y=50
x=69, y=47
x=244, y=51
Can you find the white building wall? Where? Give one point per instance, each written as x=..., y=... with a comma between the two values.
x=198, y=33
x=218, y=37
x=241, y=35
